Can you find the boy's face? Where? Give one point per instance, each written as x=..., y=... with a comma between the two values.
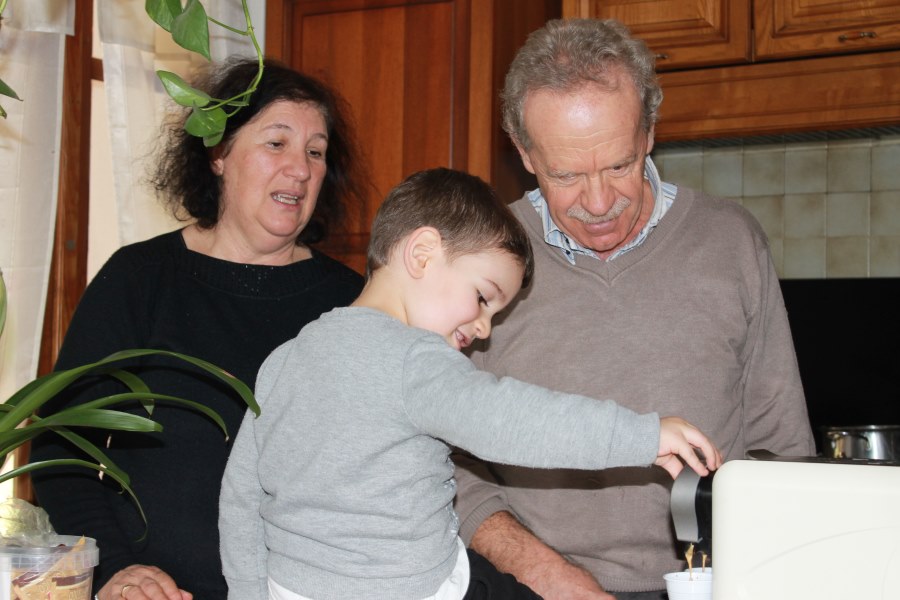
x=459, y=297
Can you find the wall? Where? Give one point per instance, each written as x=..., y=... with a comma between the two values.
x=831, y=208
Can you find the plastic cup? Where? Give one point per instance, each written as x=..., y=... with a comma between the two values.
x=60, y=570
x=689, y=585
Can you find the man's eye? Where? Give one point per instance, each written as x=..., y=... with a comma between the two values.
x=274, y=144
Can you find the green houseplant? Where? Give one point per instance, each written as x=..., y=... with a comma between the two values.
x=20, y=421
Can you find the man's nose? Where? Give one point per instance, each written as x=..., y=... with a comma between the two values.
x=599, y=196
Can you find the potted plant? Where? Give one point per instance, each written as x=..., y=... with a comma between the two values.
x=21, y=415
x=21, y=422
x=63, y=567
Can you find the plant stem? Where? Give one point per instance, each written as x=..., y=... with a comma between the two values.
x=259, y=57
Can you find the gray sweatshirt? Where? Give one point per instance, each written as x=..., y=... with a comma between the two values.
x=343, y=487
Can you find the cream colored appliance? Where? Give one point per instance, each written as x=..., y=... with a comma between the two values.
x=817, y=528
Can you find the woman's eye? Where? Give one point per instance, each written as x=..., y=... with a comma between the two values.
x=315, y=153
x=481, y=299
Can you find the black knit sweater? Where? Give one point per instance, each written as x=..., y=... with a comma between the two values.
x=158, y=294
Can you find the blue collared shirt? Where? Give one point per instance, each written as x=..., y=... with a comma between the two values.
x=663, y=197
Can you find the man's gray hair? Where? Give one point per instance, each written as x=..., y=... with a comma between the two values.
x=565, y=54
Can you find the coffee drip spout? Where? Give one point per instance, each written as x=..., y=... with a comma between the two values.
x=691, y=504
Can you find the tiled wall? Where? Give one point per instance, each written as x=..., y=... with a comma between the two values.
x=831, y=209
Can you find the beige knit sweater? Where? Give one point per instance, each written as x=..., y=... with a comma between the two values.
x=690, y=323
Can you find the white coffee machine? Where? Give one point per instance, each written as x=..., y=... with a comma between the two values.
x=788, y=528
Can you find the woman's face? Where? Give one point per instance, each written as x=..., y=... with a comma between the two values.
x=272, y=174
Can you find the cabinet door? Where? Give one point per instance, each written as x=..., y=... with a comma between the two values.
x=682, y=33
x=786, y=28
x=403, y=67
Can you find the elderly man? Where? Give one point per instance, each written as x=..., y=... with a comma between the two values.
x=657, y=296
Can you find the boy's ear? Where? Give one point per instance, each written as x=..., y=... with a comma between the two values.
x=421, y=247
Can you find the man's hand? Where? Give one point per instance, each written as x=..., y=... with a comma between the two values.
x=515, y=550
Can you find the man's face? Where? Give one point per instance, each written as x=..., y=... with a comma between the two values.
x=587, y=152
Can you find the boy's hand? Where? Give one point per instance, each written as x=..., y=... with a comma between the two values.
x=677, y=438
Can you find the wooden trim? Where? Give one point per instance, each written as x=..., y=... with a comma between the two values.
x=68, y=268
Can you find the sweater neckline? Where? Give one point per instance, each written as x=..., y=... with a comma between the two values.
x=669, y=223
x=252, y=280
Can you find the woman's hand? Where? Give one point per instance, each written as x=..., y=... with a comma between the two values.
x=142, y=582
x=677, y=438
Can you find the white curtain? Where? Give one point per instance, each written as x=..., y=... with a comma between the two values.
x=32, y=42
x=133, y=49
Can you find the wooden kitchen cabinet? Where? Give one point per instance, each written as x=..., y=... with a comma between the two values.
x=422, y=78
x=792, y=28
x=812, y=64
x=681, y=33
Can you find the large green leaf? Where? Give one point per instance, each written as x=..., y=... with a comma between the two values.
x=91, y=450
x=63, y=462
x=163, y=12
x=7, y=91
x=190, y=30
x=100, y=418
x=35, y=394
x=203, y=123
x=181, y=92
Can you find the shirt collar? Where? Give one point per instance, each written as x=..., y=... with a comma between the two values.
x=663, y=197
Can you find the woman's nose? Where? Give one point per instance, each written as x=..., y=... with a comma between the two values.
x=298, y=167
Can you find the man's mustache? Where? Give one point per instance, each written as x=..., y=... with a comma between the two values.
x=579, y=213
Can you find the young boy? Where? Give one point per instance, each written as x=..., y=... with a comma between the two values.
x=343, y=487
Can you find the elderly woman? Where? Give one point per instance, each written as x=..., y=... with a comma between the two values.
x=230, y=287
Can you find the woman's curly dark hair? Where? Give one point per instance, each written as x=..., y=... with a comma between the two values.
x=183, y=175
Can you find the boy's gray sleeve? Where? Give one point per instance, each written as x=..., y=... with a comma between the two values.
x=241, y=531
x=511, y=422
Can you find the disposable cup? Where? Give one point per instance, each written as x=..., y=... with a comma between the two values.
x=693, y=585
x=60, y=570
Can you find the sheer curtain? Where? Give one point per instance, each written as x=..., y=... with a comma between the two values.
x=32, y=42
x=133, y=49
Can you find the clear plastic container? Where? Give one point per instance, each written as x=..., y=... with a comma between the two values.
x=63, y=569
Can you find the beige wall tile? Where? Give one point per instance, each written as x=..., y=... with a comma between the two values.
x=805, y=169
x=884, y=256
x=723, y=172
x=847, y=257
x=764, y=170
x=769, y=211
x=804, y=259
x=684, y=167
x=886, y=164
x=847, y=214
x=885, y=212
x=804, y=215
x=849, y=166
x=776, y=248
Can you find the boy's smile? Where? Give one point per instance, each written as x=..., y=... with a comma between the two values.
x=457, y=298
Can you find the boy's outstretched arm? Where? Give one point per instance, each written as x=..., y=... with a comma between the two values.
x=678, y=438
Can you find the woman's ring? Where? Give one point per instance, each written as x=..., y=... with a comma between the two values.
x=125, y=588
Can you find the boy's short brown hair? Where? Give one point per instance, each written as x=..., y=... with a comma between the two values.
x=464, y=209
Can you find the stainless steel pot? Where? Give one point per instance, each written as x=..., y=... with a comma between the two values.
x=878, y=442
